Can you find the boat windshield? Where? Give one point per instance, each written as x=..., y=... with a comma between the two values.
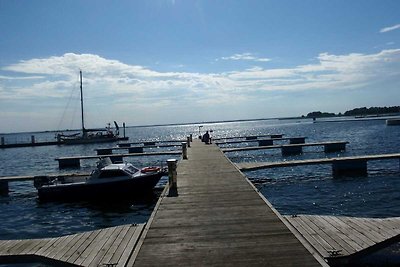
x=130, y=169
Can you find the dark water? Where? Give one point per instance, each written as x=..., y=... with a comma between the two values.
x=294, y=190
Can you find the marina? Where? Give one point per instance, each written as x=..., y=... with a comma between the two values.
x=214, y=195
x=202, y=209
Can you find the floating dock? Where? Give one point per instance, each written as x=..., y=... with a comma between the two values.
x=340, y=165
x=341, y=239
x=105, y=247
x=331, y=146
x=67, y=162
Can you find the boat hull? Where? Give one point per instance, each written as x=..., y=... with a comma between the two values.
x=106, y=191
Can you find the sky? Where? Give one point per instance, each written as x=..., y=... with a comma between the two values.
x=178, y=61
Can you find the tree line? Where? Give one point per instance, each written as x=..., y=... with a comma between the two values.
x=363, y=111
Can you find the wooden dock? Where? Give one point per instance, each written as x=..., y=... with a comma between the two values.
x=250, y=137
x=217, y=218
x=341, y=239
x=106, y=247
x=340, y=165
x=292, y=140
x=65, y=162
x=331, y=146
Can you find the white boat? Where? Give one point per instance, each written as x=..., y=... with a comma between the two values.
x=107, y=182
x=90, y=135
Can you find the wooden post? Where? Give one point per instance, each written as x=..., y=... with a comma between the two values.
x=32, y=139
x=191, y=138
x=2, y=141
x=123, y=125
x=188, y=141
x=184, y=150
x=172, y=174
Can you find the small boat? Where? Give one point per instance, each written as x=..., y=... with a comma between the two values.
x=107, y=182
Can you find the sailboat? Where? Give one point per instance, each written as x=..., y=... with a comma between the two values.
x=90, y=135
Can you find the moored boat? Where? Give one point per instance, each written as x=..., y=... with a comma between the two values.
x=87, y=136
x=107, y=182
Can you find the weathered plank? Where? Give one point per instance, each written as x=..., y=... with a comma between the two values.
x=347, y=236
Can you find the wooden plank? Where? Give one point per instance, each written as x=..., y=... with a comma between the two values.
x=121, y=248
x=355, y=227
x=54, y=246
x=116, y=244
x=79, y=250
x=64, y=247
x=7, y=246
x=353, y=238
x=107, y=245
x=39, y=245
x=75, y=246
x=311, y=235
x=91, y=250
x=131, y=245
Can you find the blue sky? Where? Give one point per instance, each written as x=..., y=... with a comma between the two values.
x=173, y=61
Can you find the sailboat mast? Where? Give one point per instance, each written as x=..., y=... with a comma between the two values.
x=83, y=124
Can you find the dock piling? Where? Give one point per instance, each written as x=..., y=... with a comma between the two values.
x=184, y=150
x=188, y=141
x=32, y=139
x=2, y=141
x=172, y=174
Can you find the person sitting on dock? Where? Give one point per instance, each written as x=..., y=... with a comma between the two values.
x=206, y=138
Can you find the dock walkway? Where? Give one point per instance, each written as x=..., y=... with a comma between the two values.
x=217, y=218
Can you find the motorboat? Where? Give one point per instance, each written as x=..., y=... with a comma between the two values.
x=107, y=182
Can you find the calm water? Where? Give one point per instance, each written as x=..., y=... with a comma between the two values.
x=295, y=190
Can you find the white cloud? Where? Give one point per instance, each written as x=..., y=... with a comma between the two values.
x=390, y=28
x=112, y=79
x=246, y=56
